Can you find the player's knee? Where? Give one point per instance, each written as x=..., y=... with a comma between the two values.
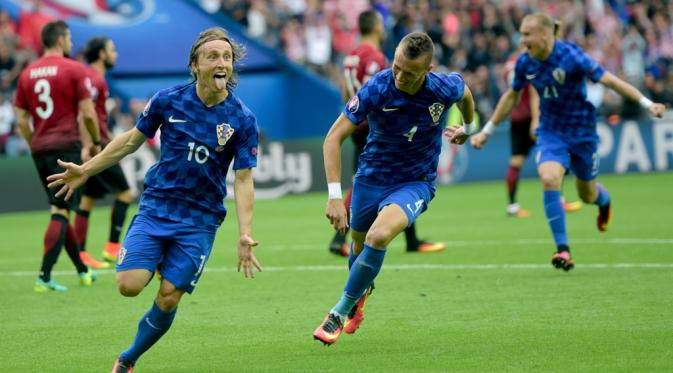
x=550, y=181
x=128, y=290
x=128, y=287
x=168, y=301
x=379, y=237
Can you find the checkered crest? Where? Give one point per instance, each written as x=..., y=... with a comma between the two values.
x=436, y=111
x=224, y=132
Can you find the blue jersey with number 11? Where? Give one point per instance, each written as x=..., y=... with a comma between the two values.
x=560, y=83
x=198, y=143
x=405, y=131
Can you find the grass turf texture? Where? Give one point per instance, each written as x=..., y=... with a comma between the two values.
x=491, y=301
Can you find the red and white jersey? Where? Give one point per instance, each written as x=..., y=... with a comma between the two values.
x=100, y=93
x=521, y=112
x=363, y=61
x=51, y=89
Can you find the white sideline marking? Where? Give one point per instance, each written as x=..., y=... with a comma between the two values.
x=449, y=244
x=394, y=267
x=533, y=241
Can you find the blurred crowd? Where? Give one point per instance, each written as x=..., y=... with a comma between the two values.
x=633, y=39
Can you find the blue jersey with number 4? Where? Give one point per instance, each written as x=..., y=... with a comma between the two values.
x=405, y=131
x=560, y=83
x=198, y=143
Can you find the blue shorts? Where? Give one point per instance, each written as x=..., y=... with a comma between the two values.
x=578, y=155
x=368, y=200
x=180, y=251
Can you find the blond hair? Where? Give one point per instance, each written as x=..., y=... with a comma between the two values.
x=216, y=33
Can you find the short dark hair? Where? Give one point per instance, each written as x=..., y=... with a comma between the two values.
x=217, y=33
x=52, y=31
x=367, y=21
x=417, y=44
x=93, y=48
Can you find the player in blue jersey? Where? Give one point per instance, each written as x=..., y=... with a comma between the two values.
x=394, y=183
x=566, y=135
x=203, y=127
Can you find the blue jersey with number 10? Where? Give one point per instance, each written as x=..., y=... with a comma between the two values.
x=560, y=83
x=198, y=143
x=405, y=131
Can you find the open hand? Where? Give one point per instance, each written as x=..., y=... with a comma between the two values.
x=246, y=258
x=73, y=178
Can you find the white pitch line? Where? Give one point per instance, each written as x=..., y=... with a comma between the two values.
x=524, y=242
x=450, y=244
x=394, y=267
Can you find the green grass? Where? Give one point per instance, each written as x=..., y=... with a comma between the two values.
x=491, y=302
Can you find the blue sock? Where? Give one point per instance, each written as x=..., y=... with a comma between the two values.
x=351, y=257
x=154, y=324
x=364, y=270
x=603, y=198
x=556, y=216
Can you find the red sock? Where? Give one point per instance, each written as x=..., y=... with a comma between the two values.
x=81, y=228
x=53, y=243
x=512, y=177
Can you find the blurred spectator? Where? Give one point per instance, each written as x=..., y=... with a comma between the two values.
x=9, y=69
x=6, y=121
x=31, y=21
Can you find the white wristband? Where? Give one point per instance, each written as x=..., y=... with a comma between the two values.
x=488, y=128
x=470, y=128
x=334, y=191
x=645, y=102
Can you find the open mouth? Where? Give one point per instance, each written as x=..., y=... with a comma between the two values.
x=220, y=80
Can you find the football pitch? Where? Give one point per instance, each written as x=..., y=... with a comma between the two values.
x=490, y=302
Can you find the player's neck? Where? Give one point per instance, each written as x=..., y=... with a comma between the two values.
x=99, y=66
x=372, y=40
x=53, y=52
x=210, y=97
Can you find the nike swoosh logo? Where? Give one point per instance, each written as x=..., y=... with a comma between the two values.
x=390, y=108
x=173, y=120
x=530, y=76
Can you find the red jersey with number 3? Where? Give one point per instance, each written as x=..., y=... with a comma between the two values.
x=51, y=89
x=100, y=94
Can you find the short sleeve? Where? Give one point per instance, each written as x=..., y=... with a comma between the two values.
x=83, y=84
x=453, y=87
x=359, y=106
x=150, y=119
x=246, y=144
x=587, y=65
x=20, y=100
x=519, y=78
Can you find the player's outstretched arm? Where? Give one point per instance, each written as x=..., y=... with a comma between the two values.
x=456, y=134
x=627, y=90
x=244, y=193
x=534, y=100
x=336, y=210
x=504, y=108
x=76, y=175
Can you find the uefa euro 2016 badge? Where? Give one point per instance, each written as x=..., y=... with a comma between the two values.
x=224, y=132
x=436, y=111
